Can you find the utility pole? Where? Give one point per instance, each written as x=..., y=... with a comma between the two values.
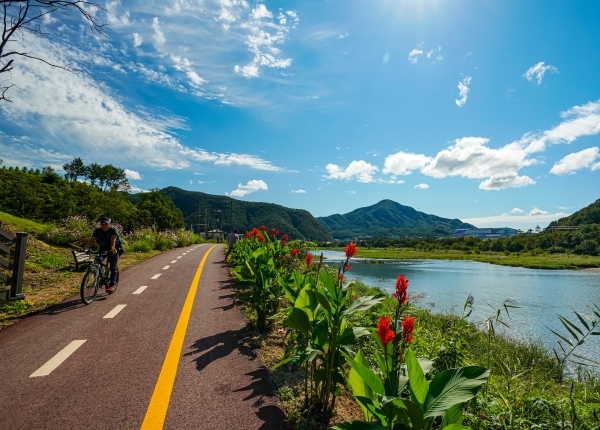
x=206, y=223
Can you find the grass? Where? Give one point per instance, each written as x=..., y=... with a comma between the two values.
x=21, y=224
x=518, y=259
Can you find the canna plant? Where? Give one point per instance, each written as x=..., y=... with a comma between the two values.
x=320, y=338
x=399, y=396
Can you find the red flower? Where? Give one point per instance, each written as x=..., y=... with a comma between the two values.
x=294, y=252
x=355, y=297
x=285, y=237
x=309, y=258
x=261, y=238
x=385, y=333
x=340, y=276
x=350, y=250
x=408, y=325
x=263, y=228
x=255, y=232
x=247, y=234
x=401, y=290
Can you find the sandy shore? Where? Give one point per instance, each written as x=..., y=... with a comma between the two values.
x=592, y=269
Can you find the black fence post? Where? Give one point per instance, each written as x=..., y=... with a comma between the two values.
x=16, y=287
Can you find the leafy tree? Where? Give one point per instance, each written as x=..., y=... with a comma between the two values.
x=74, y=169
x=161, y=209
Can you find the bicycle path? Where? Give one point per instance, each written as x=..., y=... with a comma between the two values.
x=104, y=366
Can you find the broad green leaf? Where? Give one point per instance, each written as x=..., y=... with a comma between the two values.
x=282, y=362
x=350, y=334
x=418, y=384
x=363, y=303
x=328, y=282
x=358, y=425
x=405, y=412
x=454, y=415
x=298, y=320
x=358, y=385
x=323, y=301
x=456, y=427
x=373, y=409
x=307, y=301
x=453, y=386
x=370, y=378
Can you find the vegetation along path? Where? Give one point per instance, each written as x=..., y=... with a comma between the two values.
x=167, y=350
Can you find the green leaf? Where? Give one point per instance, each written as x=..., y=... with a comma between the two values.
x=358, y=425
x=358, y=385
x=582, y=320
x=453, y=386
x=368, y=376
x=323, y=301
x=350, y=334
x=298, y=320
x=307, y=301
x=418, y=384
x=568, y=323
x=363, y=303
x=563, y=338
x=456, y=427
x=328, y=282
x=454, y=415
x=403, y=411
x=282, y=362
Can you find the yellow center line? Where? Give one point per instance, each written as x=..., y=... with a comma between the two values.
x=159, y=403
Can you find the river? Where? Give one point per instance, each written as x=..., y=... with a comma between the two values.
x=541, y=294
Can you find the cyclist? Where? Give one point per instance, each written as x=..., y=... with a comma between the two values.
x=106, y=237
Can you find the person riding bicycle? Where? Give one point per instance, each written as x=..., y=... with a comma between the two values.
x=106, y=238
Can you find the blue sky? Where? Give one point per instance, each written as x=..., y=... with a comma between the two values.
x=479, y=110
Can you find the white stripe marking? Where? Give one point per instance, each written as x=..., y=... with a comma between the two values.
x=155, y=276
x=166, y=267
x=140, y=290
x=115, y=311
x=57, y=360
x=174, y=261
x=178, y=257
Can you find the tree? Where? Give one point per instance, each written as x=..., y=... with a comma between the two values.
x=20, y=16
x=74, y=169
x=161, y=208
x=114, y=179
x=93, y=173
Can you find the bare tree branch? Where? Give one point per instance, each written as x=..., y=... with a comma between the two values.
x=20, y=16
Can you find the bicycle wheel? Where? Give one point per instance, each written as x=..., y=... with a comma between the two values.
x=89, y=286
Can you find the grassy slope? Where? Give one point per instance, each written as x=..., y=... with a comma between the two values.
x=49, y=272
x=523, y=259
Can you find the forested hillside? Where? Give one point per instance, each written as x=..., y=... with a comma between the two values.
x=200, y=208
x=586, y=216
x=388, y=218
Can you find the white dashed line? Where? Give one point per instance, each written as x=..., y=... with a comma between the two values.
x=178, y=257
x=156, y=276
x=174, y=261
x=140, y=290
x=115, y=311
x=166, y=267
x=57, y=360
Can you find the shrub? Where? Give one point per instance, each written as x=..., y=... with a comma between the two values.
x=141, y=246
x=73, y=229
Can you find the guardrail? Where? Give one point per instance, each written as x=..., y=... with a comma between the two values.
x=16, y=263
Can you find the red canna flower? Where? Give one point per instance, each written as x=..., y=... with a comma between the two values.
x=309, y=258
x=408, y=325
x=261, y=238
x=263, y=228
x=385, y=333
x=247, y=234
x=294, y=252
x=255, y=232
x=350, y=250
x=401, y=290
x=340, y=276
x=285, y=237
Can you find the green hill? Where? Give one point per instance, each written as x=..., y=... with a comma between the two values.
x=586, y=216
x=388, y=218
x=200, y=208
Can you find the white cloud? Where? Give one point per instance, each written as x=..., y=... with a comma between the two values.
x=421, y=186
x=191, y=182
x=352, y=193
x=133, y=175
x=463, y=91
x=576, y=161
x=298, y=192
x=523, y=222
x=516, y=211
x=361, y=170
x=537, y=72
x=159, y=37
x=413, y=56
x=250, y=187
x=137, y=40
x=343, y=35
x=260, y=12
x=403, y=163
x=137, y=190
x=502, y=182
x=537, y=212
x=73, y=113
x=112, y=15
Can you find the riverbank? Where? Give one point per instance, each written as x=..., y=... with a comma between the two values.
x=514, y=259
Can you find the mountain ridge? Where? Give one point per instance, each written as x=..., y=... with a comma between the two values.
x=386, y=218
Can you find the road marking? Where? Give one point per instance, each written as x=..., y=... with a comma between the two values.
x=140, y=290
x=174, y=261
x=115, y=311
x=156, y=276
x=159, y=403
x=179, y=257
x=57, y=360
x=166, y=267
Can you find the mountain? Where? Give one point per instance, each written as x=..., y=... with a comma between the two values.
x=389, y=218
x=588, y=215
x=199, y=208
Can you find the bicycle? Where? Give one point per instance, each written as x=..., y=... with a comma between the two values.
x=97, y=273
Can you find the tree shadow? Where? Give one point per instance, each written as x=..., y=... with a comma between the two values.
x=221, y=345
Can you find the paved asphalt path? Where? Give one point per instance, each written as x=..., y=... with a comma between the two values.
x=111, y=374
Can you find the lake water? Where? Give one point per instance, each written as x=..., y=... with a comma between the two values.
x=541, y=294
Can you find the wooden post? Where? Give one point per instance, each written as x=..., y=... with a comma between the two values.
x=16, y=287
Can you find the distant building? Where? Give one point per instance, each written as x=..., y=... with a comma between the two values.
x=485, y=233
